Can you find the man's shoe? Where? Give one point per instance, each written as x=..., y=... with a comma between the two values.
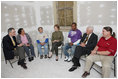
x=85, y=74
x=24, y=66
x=72, y=69
x=69, y=59
x=45, y=56
x=66, y=58
x=30, y=59
x=41, y=57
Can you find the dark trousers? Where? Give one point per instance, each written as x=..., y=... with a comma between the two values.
x=55, y=46
x=21, y=53
x=31, y=47
x=79, y=51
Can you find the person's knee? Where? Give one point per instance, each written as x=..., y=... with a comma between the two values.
x=56, y=47
x=89, y=58
x=46, y=46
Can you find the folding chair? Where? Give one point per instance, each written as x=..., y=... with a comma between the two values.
x=100, y=65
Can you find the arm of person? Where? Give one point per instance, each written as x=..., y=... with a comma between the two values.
x=103, y=52
x=62, y=38
x=38, y=41
x=7, y=45
x=93, y=44
x=77, y=42
x=46, y=40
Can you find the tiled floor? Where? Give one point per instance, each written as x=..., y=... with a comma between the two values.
x=46, y=68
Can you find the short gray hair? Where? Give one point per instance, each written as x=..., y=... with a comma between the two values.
x=10, y=29
x=90, y=27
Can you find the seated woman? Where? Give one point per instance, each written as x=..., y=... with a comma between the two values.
x=24, y=38
x=42, y=40
x=57, y=38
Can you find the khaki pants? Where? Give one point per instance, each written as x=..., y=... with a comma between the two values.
x=106, y=63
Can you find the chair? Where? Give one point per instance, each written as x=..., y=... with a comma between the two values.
x=98, y=63
x=10, y=61
x=61, y=47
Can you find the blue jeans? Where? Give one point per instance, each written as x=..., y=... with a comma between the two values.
x=31, y=47
x=67, y=47
x=45, y=49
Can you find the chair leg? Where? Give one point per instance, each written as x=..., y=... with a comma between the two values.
x=114, y=68
x=91, y=66
x=10, y=63
x=38, y=54
x=61, y=52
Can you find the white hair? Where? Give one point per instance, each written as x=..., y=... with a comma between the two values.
x=90, y=27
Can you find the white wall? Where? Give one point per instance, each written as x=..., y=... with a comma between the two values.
x=40, y=13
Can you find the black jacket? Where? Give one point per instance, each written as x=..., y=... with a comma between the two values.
x=92, y=41
x=8, y=47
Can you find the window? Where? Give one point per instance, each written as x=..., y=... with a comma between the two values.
x=65, y=13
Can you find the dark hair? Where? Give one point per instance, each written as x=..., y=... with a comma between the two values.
x=56, y=25
x=10, y=29
x=74, y=23
x=110, y=30
x=40, y=28
x=19, y=30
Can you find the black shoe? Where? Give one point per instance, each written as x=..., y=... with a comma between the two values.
x=72, y=69
x=24, y=66
x=30, y=59
x=79, y=65
x=85, y=74
x=56, y=59
x=50, y=56
x=41, y=57
x=19, y=63
x=45, y=56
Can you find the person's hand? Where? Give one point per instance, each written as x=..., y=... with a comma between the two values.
x=27, y=44
x=57, y=40
x=93, y=52
x=70, y=43
x=20, y=45
x=43, y=43
x=54, y=41
x=82, y=44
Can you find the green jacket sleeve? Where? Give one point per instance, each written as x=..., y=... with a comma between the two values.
x=52, y=37
x=62, y=38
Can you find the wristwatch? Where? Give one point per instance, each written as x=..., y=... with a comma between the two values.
x=96, y=52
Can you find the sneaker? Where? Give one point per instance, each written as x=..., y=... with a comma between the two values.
x=41, y=57
x=66, y=58
x=69, y=59
x=45, y=56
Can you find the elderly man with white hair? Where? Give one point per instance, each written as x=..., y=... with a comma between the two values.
x=87, y=43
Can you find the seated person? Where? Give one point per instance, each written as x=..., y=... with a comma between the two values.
x=42, y=40
x=104, y=52
x=11, y=48
x=25, y=39
x=74, y=38
x=87, y=43
x=57, y=39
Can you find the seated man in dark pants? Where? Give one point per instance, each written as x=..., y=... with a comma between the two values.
x=11, y=48
x=87, y=43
